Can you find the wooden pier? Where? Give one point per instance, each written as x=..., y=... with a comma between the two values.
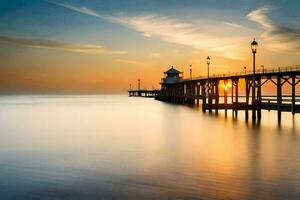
x=207, y=91
x=143, y=93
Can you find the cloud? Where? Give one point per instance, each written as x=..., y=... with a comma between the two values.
x=84, y=10
x=169, y=29
x=131, y=62
x=172, y=30
x=50, y=44
x=146, y=34
x=276, y=37
x=233, y=25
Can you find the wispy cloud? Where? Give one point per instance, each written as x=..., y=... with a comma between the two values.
x=50, y=44
x=172, y=30
x=276, y=37
x=81, y=9
x=84, y=10
x=131, y=62
x=234, y=25
x=169, y=29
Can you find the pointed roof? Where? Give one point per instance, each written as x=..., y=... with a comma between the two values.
x=172, y=71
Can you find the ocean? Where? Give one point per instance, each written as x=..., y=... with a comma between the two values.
x=116, y=147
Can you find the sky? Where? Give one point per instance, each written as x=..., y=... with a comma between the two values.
x=102, y=46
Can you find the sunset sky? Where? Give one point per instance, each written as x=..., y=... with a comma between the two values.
x=102, y=46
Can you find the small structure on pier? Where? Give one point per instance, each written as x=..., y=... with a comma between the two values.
x=172, y=76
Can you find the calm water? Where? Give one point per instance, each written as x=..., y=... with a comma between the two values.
x=115, y=147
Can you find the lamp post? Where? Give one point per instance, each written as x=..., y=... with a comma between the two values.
x=190, y=71
x=245, y=68
x=254, y=45
x=139, y=84
x=208, y=63
x=263, y=68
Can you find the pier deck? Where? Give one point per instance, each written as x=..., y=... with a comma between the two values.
x=143, y=93
x=207, y=90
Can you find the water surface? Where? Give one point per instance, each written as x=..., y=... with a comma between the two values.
x=115, y=147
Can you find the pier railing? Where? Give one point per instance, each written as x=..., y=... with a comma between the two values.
x=263, y=71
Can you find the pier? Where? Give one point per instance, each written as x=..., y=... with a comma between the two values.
x=213, y=92
x=207, y=91
x=142, y=93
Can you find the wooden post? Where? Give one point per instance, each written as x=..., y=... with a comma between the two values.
x=210, y=92
x=247, y=99
x=198, y=94
x=232, y=100
x=194, y=94
x=217, y=96
x=253, y=99
x=279, y=98
x=236, y=96
x=225, y=97
x=259, y=99
x=139, y=84
x=203, y=97
x=293, y=94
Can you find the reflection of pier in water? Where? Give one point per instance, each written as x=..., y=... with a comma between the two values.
x=177, y=90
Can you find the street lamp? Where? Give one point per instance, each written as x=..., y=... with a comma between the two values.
x=245, y=68
x=263, y=68
x=139, y=84
x=190, y=71
x=208, y=62
x=254, y=45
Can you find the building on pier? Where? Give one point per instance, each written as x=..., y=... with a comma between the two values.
x=172, y=76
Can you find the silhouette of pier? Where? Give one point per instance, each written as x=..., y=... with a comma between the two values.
x=143, y=93
x=207, y=91
x=212, y=91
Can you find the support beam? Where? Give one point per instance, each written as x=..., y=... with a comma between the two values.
x=258, y=103
x=236, y=95
x=217, y=96
x=198, y=93
x=293, y=95
x=253, y=99
x=279, y=98
x=247, y=99
x=232, y=101
x=225, y=96
x=203, y=91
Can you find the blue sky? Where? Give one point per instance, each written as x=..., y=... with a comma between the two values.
x=105, y=37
